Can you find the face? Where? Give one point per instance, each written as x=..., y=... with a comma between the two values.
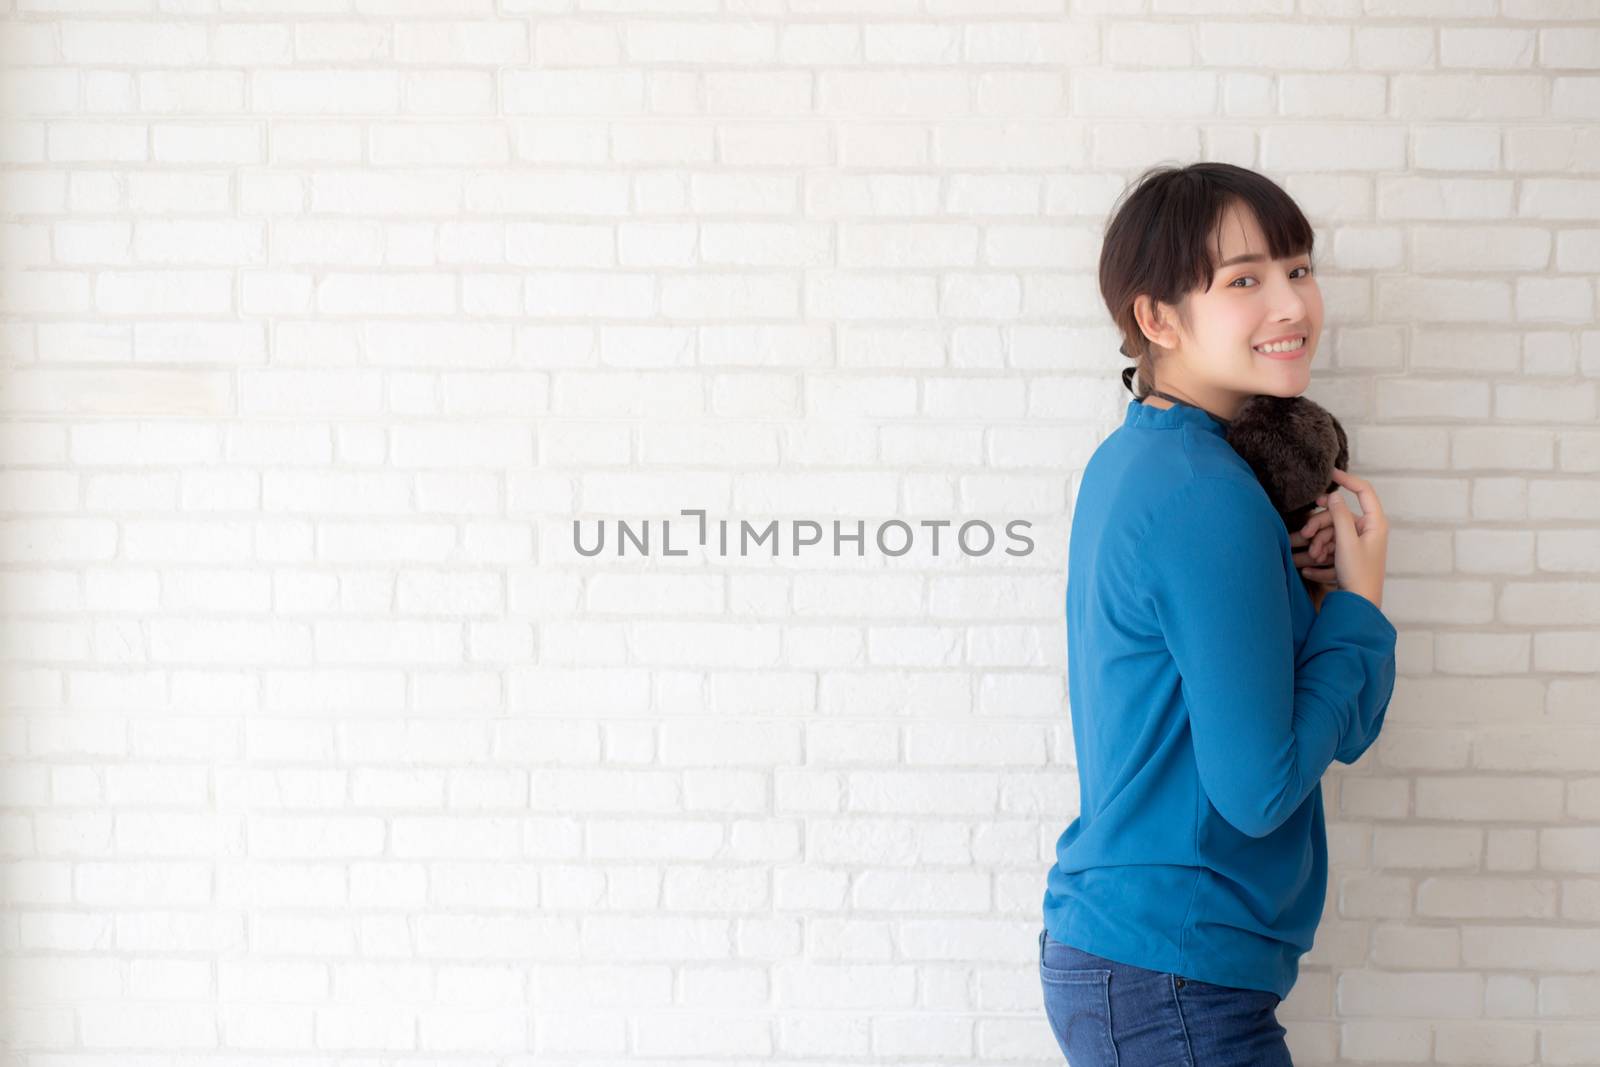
x=1213, y=361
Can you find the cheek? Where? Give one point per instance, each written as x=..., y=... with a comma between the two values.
x=1238, y=323
x=1314, y=304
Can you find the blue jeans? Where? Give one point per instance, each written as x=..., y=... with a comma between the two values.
x=1109, y=1014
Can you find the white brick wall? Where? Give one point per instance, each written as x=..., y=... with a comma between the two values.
x=321, y=322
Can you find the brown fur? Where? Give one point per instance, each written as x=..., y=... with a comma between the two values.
x=1292, y=444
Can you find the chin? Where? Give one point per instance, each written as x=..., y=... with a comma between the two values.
x=1289, y=379
x=1285, y=388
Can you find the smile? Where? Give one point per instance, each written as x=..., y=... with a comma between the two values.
x=1282, y=351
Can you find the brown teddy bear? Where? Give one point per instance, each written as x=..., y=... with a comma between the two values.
x=1292, y=444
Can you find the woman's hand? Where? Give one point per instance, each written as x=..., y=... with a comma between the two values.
x=1315, y=562
x=1361, y=542
x=1321, y=549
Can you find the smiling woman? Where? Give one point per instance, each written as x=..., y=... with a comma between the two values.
x=1208, y=696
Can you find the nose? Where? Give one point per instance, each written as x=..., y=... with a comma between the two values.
x=1288, y=302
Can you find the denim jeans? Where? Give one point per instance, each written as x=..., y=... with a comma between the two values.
x=1109, y=1014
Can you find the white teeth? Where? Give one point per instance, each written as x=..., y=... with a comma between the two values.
x=1282, y=346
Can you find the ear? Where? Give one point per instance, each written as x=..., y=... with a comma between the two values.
x=1152, y=320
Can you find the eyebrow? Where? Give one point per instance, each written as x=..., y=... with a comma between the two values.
x=1253, y=257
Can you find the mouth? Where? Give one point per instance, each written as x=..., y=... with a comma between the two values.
x=1283, y=349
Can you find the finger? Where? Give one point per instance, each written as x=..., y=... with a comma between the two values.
x=1325, y=575
x=1321, y=520
x=1348, y=480
x=1344, y=521
x=1296, y=540
x=1365, y=494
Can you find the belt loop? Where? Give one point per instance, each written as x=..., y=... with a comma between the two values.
x=1042, y=931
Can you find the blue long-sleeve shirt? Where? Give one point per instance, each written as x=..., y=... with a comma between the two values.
x=1208, y=696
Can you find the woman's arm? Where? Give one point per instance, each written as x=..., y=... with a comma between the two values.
x=1266, y=718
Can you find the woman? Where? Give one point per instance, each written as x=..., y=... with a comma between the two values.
x=1208, y=692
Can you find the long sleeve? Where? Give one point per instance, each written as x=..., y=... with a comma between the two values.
x=1266, y=719
x=1349, y=621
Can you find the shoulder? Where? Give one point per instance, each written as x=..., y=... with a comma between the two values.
x=1213, y=511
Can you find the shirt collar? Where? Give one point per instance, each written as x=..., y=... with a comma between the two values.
x=1154, y=418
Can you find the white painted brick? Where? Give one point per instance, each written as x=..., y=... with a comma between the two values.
x=1570, y=848
x=107, y=1025
x=1483, y=47
x=911, y=44
x=1402, y=946
x=925, y=93
x=572, y=92
x=1415, y=847
x=1457, y=148
x=1383, y=47
x=1566, y=995
x=760, y=95
x=83, y=142
x=1332, y=96
x=1572, y=749
x=1502, y=96
x=1425, y=994
x=1555, y=300
x=1485, y=1042
x=1583, y=798
x=121, y=41
x=1468, y=897
x=1369, y=1040
x=869, y=296
x=1365, y=897
x=1569, y=1044
x=251, y=42
x=773, y=145
x=1488, y=799
x=1570, y=98
x=1554, y=197
x=1573, y=651
x=1482, y=653
x=1310, y=148
x=1377, y=798
x=910, y=245
x=325, y=91
x=1537, y=948
x=489, y=43
x=1020, y=93
x=1011, y=42
x=1444, y=198
x=558, y=44
x=704, y=296
x=1580, y=899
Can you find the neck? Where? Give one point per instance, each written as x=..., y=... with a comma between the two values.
x=1219, y=402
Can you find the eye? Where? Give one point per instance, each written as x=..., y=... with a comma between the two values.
x=1306, y=267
